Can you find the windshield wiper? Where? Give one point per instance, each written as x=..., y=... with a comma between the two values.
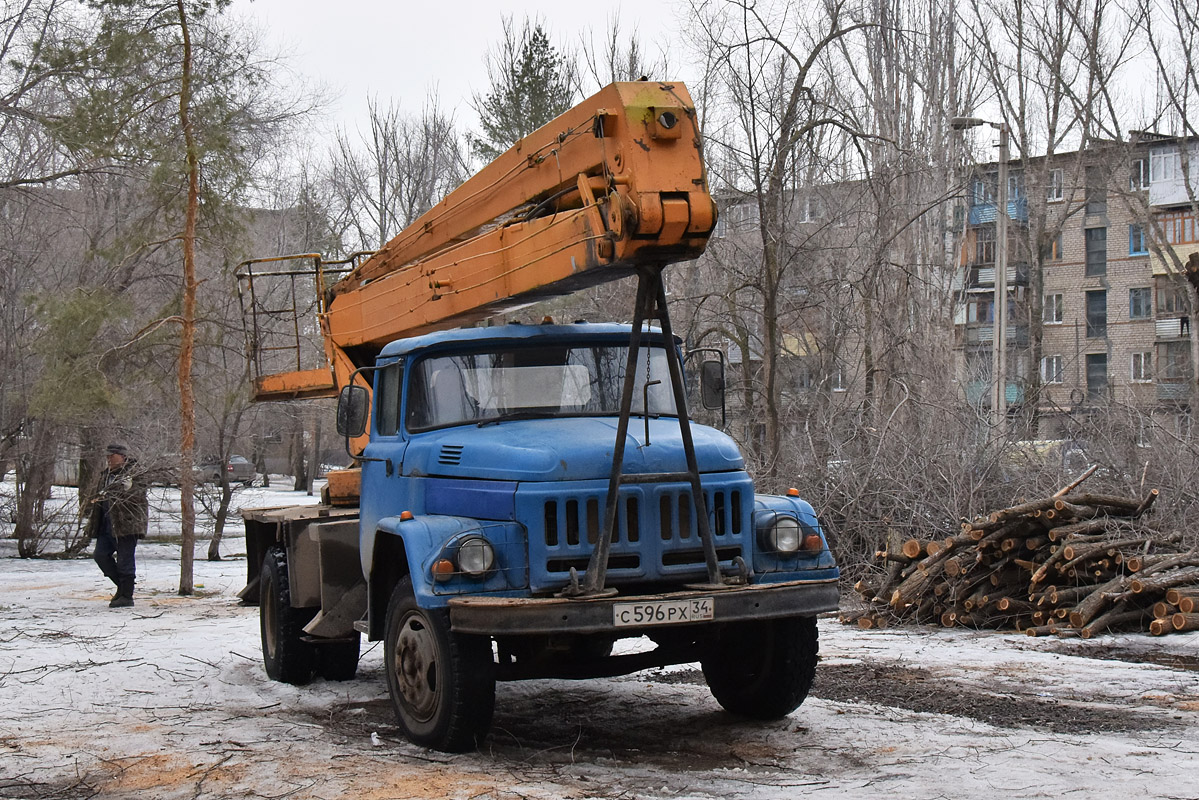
x=514, y=415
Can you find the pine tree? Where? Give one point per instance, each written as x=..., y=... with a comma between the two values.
x=531, y=83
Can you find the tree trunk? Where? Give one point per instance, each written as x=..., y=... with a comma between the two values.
x=35, y=476
x=222, y=514
x=187, y=334
x=300, y=482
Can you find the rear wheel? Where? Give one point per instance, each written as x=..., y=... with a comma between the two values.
x=765, y=669
x=442, y=684
x=286, y=656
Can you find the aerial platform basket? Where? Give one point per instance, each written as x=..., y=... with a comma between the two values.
x=283, y=300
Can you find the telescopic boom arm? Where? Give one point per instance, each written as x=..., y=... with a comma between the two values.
x=613, y=184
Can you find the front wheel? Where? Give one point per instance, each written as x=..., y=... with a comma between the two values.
x=763, y=670
x=286, y=656
x=442, y=684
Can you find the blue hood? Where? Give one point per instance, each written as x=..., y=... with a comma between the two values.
x=569, y=449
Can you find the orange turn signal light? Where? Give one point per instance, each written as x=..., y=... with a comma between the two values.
x=406, y=515
x=443, y=569
x=813, y=543
x=793, y=492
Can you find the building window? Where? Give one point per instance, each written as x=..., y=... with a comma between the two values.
x=804, y=378
x=1175, y=361
x=984, y=189
x=1142, y=367
x=1096, y=251
x=1179, y=227
x=984, y=246
x=1138, y=178
x=812, y=209
x=1164, y=165
x=1051, y=369
x=1137, y=246
x=744, y=215
x=1096, y=376
x=1096, y=191
x=1054, y=310
x=1140, y=303
x=1052, y=250
x=1015, y=186
x=837, y=380
x=1096, y=314
x=1057, y=186
x=1171, y=299
x=980, y=309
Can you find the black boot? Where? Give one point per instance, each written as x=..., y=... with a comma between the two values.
x=124, y=596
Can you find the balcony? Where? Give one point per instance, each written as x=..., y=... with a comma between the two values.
x=984, y=333
x=983, y=275
x=978, y=393
x=985, y=212
x=1174, y=392
x=1169, y=185
x=1175, y=328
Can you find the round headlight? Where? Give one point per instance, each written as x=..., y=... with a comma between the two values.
x=476, y=556
x=783, y=535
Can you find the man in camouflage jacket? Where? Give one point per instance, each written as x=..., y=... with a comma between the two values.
x=118, y=518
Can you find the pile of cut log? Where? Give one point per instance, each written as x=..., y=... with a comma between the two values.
x=1069, y=564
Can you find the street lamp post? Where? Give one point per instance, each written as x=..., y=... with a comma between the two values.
x=999, y=340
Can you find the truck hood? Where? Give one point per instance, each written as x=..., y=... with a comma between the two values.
x=567, y=449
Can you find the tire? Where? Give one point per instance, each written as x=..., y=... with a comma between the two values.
x=337, y=661
x=285, y=655
x=442, y=684
x=764, y=670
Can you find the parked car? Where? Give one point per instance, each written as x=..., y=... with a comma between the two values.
x=238, y=468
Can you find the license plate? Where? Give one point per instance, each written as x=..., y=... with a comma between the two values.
x=662, y=612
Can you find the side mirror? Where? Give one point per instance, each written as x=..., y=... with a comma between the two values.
x=353, y=406
x=711, y=384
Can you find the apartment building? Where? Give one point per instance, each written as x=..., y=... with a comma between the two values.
x=1096, y=241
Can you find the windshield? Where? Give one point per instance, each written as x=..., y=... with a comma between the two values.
x=533, y=381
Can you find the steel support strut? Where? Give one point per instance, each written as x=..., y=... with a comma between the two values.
x=651, y=304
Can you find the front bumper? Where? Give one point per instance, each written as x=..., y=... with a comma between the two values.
x=509, y=616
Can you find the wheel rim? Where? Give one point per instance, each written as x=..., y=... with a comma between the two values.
x=416, y=666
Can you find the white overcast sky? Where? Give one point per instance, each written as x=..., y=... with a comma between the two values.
x=401, y=51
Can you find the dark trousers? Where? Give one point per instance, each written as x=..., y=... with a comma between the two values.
x=117, y=558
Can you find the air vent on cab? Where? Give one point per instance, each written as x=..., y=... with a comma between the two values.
x=451, y=454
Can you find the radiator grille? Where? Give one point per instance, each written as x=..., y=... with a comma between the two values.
x=656, y=534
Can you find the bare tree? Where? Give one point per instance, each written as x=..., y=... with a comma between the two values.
x=772, y=70
x=619, y=56
x=394, y=173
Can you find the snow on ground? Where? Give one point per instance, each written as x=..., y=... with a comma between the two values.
x=169, y=700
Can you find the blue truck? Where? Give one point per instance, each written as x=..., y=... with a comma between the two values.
x=534, y=501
